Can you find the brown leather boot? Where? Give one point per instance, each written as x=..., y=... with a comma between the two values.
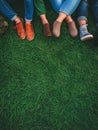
x=46, y=30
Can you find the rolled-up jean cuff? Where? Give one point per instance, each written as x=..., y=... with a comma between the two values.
x=82, y=18
x=65, y=12
x=28, y=20
x=14, y=17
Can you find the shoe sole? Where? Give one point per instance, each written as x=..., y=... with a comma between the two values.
x=22, y=38
x=85, y=38
x=31, y=39
x=49, y=35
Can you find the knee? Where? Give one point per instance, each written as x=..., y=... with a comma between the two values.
x=56, y=4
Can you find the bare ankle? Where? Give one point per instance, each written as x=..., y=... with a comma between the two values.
x=69, y=19
x=82, y=22
x=28, y=22
x=44, y=19
x=17, y=20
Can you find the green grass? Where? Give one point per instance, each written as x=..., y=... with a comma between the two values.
x=49, y=83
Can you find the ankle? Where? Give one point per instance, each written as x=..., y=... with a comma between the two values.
x=69, y=20
x=17, y=20
x=27, y=22
x=44, y=19
x=59, y=20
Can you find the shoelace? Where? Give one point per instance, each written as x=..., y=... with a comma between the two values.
x=84, y=29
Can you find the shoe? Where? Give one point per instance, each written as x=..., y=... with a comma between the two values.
x=56, y=28
x=46, y=30
x=20, y=30
x=84, y=34
x=72, y=29
x=29, y=31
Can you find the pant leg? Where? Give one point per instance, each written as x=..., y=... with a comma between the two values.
x=39, y=7
x=29, y=9
x=95, y=11
x=69, y=6
x=56, y=4
x=65, y=6
x=82, y=11
x=6, y=9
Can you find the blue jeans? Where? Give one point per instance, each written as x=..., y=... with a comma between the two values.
x=82, y=10
x=6, y=9
x=65, y=6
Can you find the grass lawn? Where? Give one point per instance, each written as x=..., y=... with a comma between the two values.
x=49, y=83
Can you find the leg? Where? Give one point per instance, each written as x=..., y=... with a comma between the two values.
x=41, y=11
x=56, y=4
x=71, y=26
x=82, y=13
x=65, y=9
x=29, y=10
x=6, y=9
x=95, y=11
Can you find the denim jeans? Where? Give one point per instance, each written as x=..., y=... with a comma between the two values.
x=65, y=6
x=7, y=10
x=82, y=10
